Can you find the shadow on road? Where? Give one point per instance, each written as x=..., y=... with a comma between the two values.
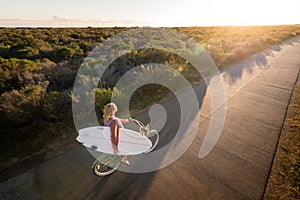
x=261, y=60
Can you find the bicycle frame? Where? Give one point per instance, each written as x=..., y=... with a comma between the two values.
x=106, y=163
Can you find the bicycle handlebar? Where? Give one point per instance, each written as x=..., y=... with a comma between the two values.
x=139, y=123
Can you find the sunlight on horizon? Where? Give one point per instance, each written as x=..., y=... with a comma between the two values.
x=78, y=13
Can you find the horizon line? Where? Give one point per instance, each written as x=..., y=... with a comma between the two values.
x=62, y=22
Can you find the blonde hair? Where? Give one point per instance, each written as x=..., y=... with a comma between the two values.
x=107, y=111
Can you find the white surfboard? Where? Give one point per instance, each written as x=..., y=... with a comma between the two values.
x=98, y=138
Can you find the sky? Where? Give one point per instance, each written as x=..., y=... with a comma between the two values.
x=61, y=13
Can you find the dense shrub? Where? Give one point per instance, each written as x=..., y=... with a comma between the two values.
x=32, y=57
x=64, y=53
x=102, y=97
x=14, y=73
x=56, y=106
x=21, y=107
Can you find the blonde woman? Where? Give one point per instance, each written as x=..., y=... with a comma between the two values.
x=115, y=124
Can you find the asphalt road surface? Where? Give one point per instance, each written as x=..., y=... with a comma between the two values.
x=257, y=96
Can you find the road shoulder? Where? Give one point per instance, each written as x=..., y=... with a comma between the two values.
x=284, y=180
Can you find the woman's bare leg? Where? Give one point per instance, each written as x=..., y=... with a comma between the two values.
x=124, y=160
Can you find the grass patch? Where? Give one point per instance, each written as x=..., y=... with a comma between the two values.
x=284, y=181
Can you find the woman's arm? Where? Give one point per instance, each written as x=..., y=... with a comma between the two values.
x=123, y=121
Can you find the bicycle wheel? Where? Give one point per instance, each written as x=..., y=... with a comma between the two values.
x=102, y=169
x=151, y=134
x=106, y=164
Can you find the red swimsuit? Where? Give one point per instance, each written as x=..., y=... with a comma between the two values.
x=114, y=125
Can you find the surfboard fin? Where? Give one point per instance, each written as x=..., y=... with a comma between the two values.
x=94, y=148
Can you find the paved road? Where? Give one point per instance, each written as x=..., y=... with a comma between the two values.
x=257, y=92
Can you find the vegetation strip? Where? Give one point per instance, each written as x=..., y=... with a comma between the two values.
x=284, y=180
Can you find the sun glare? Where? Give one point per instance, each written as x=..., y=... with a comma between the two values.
x=156, y=13
x=231, y=12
